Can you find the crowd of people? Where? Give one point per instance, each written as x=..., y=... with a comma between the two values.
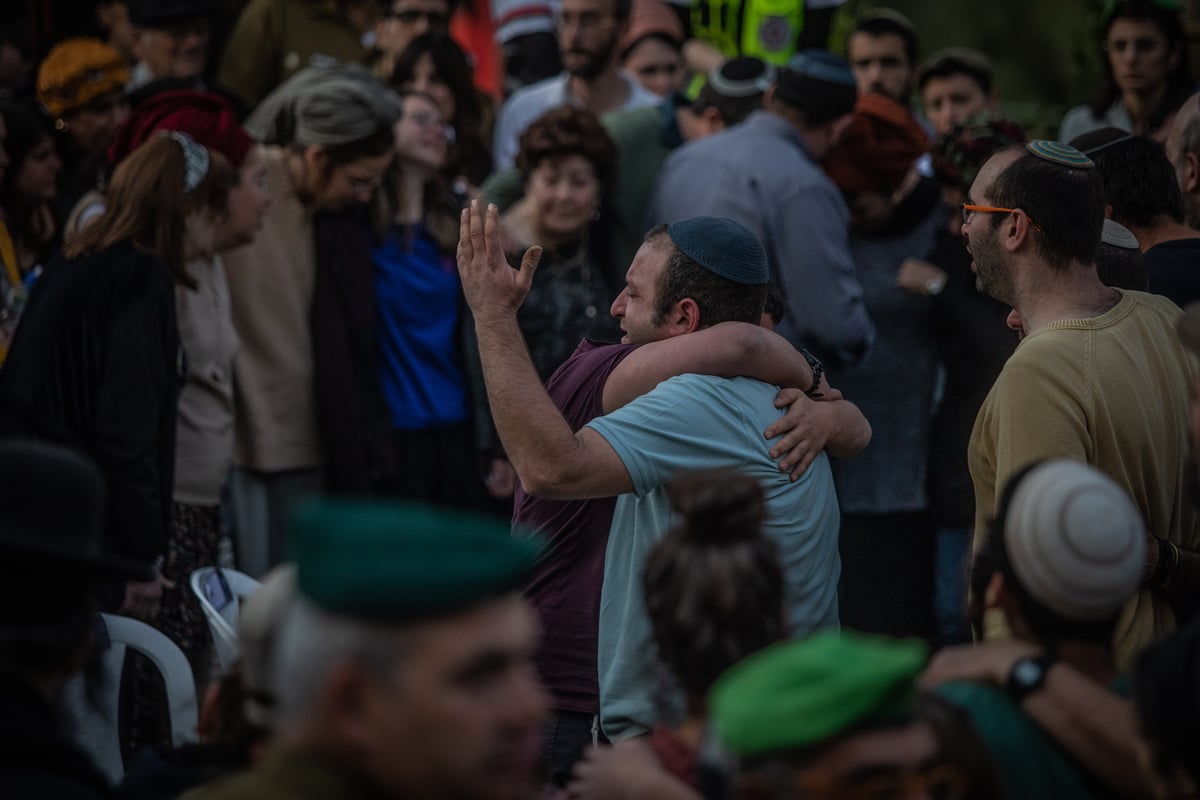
x=615, y=398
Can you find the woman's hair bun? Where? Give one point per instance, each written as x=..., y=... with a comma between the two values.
x=718, y=507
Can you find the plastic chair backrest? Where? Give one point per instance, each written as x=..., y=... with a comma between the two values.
x=220, y=592
x=94, y=707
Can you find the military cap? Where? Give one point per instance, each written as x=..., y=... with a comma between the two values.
x=393, y=561
x=796, y=694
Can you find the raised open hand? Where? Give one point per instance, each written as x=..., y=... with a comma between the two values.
x=492, y=287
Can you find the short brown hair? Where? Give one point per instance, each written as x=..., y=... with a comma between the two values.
x=1067, y=202
x=146, y=204
x=719, y=299
x=569, y=131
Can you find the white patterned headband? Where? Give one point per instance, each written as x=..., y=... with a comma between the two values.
x=195, y=160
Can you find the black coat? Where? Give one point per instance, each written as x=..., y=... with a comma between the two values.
x=96, y=365
x=37, y=759
x=352, y=415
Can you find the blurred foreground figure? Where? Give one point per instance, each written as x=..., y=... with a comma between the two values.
x=51, y=510
x=404, y=669
x=1063, y=557
x=837, y=716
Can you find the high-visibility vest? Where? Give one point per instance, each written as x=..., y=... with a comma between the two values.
x=767, y=29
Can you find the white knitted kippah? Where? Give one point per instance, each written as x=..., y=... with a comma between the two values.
x=1075, y=540
x=1118, y=235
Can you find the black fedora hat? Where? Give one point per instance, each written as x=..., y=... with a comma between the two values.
x=52, y=512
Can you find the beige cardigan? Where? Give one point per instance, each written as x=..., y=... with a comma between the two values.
x=204, y=430
x=271, y=288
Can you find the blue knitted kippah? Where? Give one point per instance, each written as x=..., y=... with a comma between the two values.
x=823, y=66
x=1059, y=153
x=722, y=246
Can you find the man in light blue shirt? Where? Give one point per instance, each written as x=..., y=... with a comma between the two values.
x=694, y=422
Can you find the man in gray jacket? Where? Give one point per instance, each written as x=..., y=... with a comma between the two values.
x=766, y=174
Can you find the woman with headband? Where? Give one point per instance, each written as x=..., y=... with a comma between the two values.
x=96, y=365
x=328, y=132
x=204, y=427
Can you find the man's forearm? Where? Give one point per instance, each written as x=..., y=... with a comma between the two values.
x=727, y=350
x=851, y=433
x=539, y=442
x=1093, y=724
x=550, y=459
x=1096, y=726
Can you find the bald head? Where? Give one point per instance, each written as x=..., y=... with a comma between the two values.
x=1183, y=148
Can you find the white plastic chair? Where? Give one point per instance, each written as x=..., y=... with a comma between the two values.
x=221, y=607
x=93, y=709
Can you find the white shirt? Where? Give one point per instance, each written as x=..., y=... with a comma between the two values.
x=531, y=102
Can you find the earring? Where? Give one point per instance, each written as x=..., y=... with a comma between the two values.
x=595, y=214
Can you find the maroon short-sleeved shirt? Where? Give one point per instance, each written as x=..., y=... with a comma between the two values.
x=565, y=587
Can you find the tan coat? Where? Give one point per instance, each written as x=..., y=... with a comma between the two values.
x=271, y=290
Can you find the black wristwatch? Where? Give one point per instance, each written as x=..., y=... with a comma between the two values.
x=1028, y=674
x=818, y=370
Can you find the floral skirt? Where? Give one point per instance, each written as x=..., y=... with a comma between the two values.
x=192, y=543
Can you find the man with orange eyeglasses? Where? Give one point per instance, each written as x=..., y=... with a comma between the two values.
x=1100, y=375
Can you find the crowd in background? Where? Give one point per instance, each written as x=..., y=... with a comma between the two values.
x=758, y=340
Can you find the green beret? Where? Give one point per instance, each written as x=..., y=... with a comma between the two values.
x=403, y=561
x=796, y=694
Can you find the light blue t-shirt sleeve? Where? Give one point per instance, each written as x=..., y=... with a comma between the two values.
x=679, y=426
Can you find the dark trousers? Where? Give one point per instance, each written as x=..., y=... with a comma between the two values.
x=439, y=466
x=568, y=734
x=888, y=574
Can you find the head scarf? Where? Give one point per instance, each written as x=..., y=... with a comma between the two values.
x=325, y=105
x=878, y=148
x=206, y=117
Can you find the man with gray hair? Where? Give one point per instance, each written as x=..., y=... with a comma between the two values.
x=1183, y=148
x=403, y=669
